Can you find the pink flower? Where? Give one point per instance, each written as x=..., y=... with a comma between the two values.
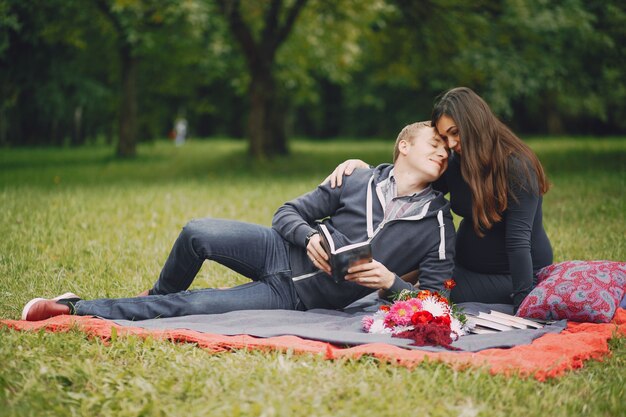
x=366, y=322
x=415, y=303
x=400, y=313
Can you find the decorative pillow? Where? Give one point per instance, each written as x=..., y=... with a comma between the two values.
x=586, y=291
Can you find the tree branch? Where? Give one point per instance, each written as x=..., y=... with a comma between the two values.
x=241, y=32
x=105, y=8
x=288, y=25
x=271, y=22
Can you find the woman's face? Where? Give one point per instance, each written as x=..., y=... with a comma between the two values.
x=449, y=132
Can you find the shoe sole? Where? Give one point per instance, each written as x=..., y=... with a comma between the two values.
x=29, y=304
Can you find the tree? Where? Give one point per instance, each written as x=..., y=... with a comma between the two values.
x=137, y=25
x=52, y=73
x=266, y=119
x=128, y=20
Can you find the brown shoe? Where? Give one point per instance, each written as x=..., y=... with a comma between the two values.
x=42, y=308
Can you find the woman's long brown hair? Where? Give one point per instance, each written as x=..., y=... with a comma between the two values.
x=488, y=146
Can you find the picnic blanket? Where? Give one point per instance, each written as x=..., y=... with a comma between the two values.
x=340, y=328
x=542, y=354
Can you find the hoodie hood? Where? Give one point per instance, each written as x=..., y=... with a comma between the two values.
x=422, y=207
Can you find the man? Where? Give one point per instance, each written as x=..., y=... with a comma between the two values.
x=407, y=223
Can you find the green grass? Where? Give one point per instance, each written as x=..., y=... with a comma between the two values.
x=81, y=221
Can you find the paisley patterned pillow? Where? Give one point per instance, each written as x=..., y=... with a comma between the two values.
x=585, y=291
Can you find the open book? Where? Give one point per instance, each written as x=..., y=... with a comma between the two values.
x=495, y=321
x=341, y=259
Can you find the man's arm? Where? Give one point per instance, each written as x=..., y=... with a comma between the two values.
x=433, y=270
x=294, y=219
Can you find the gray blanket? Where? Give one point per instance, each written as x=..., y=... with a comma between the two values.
x=341, y=328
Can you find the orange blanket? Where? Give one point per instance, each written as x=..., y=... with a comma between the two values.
x=549, y=356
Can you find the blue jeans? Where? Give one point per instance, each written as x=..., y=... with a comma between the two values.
x=257, y=252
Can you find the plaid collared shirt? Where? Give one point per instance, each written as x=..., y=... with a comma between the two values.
x=395, y=207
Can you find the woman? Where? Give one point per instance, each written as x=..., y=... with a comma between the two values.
x=496, y=184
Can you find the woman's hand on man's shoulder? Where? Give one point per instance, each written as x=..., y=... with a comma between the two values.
x=345, y=168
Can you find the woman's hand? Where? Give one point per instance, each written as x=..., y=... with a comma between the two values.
x=371, y=275
x=317, y=254
x=344, y=168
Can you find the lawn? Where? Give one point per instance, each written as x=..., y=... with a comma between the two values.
x=79, y=220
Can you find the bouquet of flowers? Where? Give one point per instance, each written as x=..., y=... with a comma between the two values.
x=426, y=317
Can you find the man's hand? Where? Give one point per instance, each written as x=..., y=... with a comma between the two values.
x=371, y=275
x=344, y=168
x=317, y=254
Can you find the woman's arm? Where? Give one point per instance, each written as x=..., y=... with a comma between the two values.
x=519, y=217
x=347, y=168
x=344, y=168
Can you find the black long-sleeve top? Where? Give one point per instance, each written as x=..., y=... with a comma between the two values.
x=517, y=245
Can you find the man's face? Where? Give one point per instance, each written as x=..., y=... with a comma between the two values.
x=427, y=153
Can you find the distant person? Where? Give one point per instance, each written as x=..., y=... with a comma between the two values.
x=181, y=131
x=407, y=223
x=496, y=184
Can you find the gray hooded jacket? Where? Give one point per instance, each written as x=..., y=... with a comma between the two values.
x=422, y=239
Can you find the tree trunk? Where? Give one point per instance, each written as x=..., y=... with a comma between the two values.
x=127, y=146
x=554, y=122
x=266, y=122
x=4, y=127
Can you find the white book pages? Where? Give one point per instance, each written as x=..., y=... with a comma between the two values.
x=482, y=330
x=501, y=320
x=488, y=323
x=516, y=319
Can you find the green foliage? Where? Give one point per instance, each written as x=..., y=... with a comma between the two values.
x=548, y=66
x=83, y=221
x=326, y=44
x=348, y=68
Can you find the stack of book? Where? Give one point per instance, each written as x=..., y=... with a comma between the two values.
x=494, y=322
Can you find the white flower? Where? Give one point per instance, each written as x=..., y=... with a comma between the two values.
x=378, y=326
x=400, y=329
x=456, y=329
x=435, y=307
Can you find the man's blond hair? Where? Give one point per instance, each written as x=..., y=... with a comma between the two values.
x=409, y=133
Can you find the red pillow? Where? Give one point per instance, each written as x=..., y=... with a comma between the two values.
x=586, y=291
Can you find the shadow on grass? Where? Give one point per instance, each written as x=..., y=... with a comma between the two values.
x=26, y=158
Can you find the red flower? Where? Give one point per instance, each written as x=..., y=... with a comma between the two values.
x=442, y=320
x=442, y=299
x=420, y=317
x=424, y=294
x=384, y=308
x=449, y=284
